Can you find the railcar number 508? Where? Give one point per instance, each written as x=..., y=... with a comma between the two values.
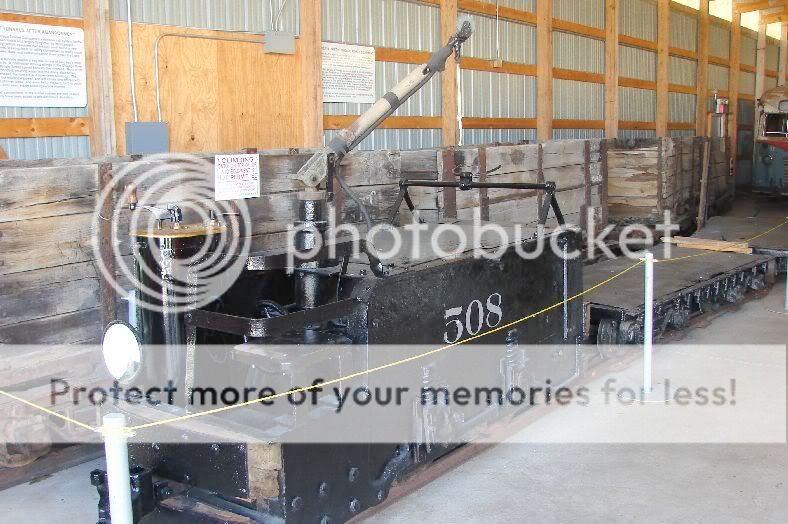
x=477, y=316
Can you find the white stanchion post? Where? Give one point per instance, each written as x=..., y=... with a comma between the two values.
x=117, y=452
x=786, y=285
x=648, y=323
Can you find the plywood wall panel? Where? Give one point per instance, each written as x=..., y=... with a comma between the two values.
x=216, y=95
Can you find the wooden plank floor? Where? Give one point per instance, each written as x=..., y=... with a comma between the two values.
x=741, y=229
x=626, y=292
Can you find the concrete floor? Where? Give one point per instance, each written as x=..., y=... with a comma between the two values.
x=562, y=482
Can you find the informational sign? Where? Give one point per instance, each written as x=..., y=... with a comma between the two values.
x=348, y=73
x=237, y=177
x=42, y=66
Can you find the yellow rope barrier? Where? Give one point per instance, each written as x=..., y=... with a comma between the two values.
x=368, y=371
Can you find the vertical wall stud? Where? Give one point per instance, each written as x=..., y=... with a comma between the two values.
x=98, y=62
x=733, y=85
x=760, y=60
x=702, y=91
x=663, y=59
x=544, y=69
x=449, y=131
x=611, y=68
x=783, y=53
x=310, y=48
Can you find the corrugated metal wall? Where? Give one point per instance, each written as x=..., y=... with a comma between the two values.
x=64, y=8
x=587, y=12
x=254, y=16
x=637, y=63
x=719, y=41
x=718, y=77
x=518, y=41
x=47, y=147
x=746, y=83
x=408, y=25
x=749, y=46
x=572, y=99
x=683, y=31
x=405, y=25
x=772, y=56
x=637, y=18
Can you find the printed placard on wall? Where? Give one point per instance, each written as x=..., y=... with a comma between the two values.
x=237, y=177
x=42, y=66
x=348, y=73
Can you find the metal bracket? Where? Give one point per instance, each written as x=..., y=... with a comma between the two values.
x=314, y=171
x=548, y=187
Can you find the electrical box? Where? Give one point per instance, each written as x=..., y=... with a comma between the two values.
x=279, y=42
x=146, y=138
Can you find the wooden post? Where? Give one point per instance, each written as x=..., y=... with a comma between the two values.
x=449, y=128
x=733, y=86
x=98, y=64
x=783, y=53
x=663, y=58
x=611, y=68
x=544, y=69
x=760, y=61
x=702, y=93
x=704, y=175
x=311, y=63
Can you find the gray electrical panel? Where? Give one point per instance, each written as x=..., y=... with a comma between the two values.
x=145, y=138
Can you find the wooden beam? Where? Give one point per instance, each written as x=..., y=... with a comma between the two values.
x=41, y=127
x=578, y=29
x=701, y=97
x=403, y=56
x=663, y=59
x=433, y=122
x=544, y=69
x=632, y=124
x=773, y=19
x=498, y=123
x=625, y=81
x=449, y=110
x=748, y=7
x=512, y=68
x=783, y=54
x=683, y=53
x=611, y=69
x=98, y=64
x=760, y=61
x=571, y=123
x=311, y=63
x=578, y=76
x=733, y=82
x=637, y=42
x=393, y=122
x=43, y=20
x=717, y=60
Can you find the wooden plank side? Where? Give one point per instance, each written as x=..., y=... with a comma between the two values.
x=46, y=292
x=71, y=328
x=46, y=242
x=30, y=193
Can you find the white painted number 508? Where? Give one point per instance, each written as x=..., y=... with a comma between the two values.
x=477, y=315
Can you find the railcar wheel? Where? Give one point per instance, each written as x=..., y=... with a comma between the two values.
x=607, y=339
